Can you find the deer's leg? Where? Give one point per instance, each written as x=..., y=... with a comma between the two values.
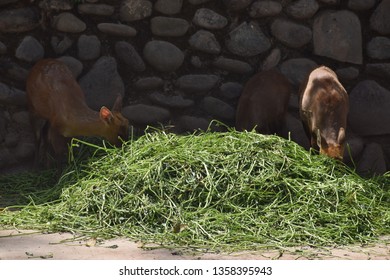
x=40, y=128
x=59, y=145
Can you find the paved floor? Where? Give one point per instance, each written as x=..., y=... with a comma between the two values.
x=23, y=245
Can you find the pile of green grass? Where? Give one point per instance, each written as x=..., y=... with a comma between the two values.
x=217, y=191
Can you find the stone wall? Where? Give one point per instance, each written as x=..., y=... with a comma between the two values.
x=183, y=62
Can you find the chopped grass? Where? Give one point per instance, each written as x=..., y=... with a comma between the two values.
x=218, y=191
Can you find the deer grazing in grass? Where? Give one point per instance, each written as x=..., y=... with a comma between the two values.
x=263, y=103
x=58, y=110
x=323, y=110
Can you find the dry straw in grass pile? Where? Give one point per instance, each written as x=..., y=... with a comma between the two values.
x=218, y=191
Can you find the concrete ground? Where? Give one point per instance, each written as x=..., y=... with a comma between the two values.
x=23, y=245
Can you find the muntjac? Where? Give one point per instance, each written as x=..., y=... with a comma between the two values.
x=57, y=105
x=324, y=108
x=263, y=103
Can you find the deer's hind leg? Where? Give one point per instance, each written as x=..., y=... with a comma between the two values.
x=40, y=129
x=59, y=146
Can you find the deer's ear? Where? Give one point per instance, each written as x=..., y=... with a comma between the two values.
x=318, y=134
x=105, y=115
x=341, y=136
x=117, y=107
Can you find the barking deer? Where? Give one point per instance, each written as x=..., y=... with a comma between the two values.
x=263, y=103
x=323, y=109
x=58, y=108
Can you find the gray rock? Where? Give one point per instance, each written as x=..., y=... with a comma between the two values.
x=128, y=55
x=13, y=71
x=11, y=139
x=3, y=131
x=290, y=33
x=19, y=20
x=67, y=22
x=168, y=26
x=302, y=9
x=145, y=114
x=199, y=84
x=247, y=40
x=89, y=47
x=74, y=65
x=96, y=9
x=380, y=20
x=232, y=65
x=198, y=2
x=12, y=96
x=6, y=157
x=30, y=50
x=102, y=84
x=209, y=19
x=353, y=149
x=262, y=8
x=115, y=29
x=3, y=48
x=205, y=41
x=149, y=83
x=5, y=2
x=163, y=56
x=337, y=34
x=297, y=69
x=347, y=73
x=60, y=45
x=133, y=10
x=379, y=48
x=55, y=5
x=21, y=118
x=197, y=62
x=172, y=101
x=384, y=141
x=230, y=90
x=272, y=60
x=360, y=5
x=218, y=108
x=379, y=69
x=24, y=150
x=369, y=112
x=330, y=2
x=168, y=7
x=236, y=5
x=372, y=161
x=191, y=123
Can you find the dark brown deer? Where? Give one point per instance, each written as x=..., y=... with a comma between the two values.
x=58, y=109
x=263, y=103
x=324, y=108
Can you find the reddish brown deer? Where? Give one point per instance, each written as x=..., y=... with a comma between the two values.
x=323, y=109
x=57, y=105
x=263, y=103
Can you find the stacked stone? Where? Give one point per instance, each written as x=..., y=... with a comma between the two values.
x=184, y=63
